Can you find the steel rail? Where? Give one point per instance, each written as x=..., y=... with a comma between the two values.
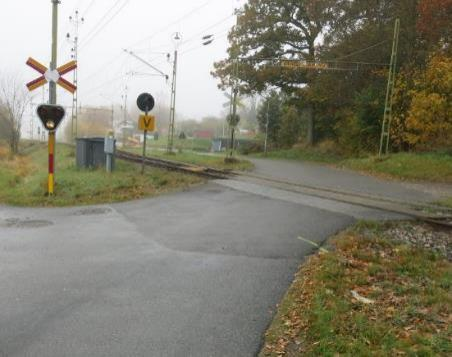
x=409, y=209
x=191, y=169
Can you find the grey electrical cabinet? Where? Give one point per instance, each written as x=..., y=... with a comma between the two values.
x=91, y=153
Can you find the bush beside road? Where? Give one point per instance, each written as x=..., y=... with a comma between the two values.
x=23, y=180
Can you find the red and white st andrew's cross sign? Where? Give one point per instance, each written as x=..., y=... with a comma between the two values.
x=48, y=75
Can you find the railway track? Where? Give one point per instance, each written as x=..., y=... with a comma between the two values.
x=418, y=210
x=206, y=172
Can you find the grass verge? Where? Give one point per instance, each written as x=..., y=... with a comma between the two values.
x=446, y=202
x=23, y=181
x=190, y=157
x=202, y=145
x=369, y=296
x=433, y=167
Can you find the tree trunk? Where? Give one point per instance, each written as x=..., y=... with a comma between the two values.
x=310, y=121
x=12, y=140
x=310, y=111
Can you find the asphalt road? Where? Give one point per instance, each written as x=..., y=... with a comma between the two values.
x=195, y=273
x=350, y=181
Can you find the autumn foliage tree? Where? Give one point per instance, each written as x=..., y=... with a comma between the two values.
x=429, y=121
x=435, y=20
x=267, y=30
x=346, y=106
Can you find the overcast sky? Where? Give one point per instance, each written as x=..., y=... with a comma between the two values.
x=144, y=26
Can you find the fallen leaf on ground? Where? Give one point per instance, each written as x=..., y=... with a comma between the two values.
x=362, y=298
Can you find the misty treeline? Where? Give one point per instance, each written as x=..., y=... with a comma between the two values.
x=99, y=121
x=345, y=107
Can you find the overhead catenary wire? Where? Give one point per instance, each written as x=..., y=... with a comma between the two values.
x=119, y=74
x=361, y=51
x=182, y=18
x=104, y=66
x=278, y=59
x=88, y=8
x=99, y=23
x=203, y=45
x=202, y=32
x=102, y=85
x=117, y=77
x=189, y=40
x=77, y=5
x=175, y=22
x=99, y=29
x=146, y=63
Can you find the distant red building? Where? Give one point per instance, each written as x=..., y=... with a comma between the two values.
x=203, y=134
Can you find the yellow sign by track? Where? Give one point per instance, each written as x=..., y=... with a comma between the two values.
x=146, y=123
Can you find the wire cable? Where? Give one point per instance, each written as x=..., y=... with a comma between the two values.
x=98, y=29
x=166, y=27
x=360, y=51
x=99, y=23
x=116, y=75
x=206, y=29
x=88, y=7
x=220, y=35
x=104, y=66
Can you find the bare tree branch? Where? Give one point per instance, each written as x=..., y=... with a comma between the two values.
x=14, y=100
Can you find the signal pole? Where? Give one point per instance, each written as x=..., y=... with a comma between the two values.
x=53, y=63
x=53, y=96
x=172, y=118
x=125, y=122
x=77, y=21
x=113, y=119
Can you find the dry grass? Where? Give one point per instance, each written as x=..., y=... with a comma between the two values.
x=23, y=181
x=402, y=304
x=4, y=152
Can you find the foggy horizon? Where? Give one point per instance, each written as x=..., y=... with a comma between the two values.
x=105, y=70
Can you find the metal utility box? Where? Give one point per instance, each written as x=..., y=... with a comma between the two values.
x=91, y=153
x=110, y=145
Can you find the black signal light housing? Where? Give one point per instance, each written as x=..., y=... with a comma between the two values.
x=51, y=116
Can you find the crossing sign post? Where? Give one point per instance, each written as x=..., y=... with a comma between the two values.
x=145, y=103
x=48, y=75
x=51, y=115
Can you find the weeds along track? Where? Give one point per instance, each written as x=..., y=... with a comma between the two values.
x=418, y=210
